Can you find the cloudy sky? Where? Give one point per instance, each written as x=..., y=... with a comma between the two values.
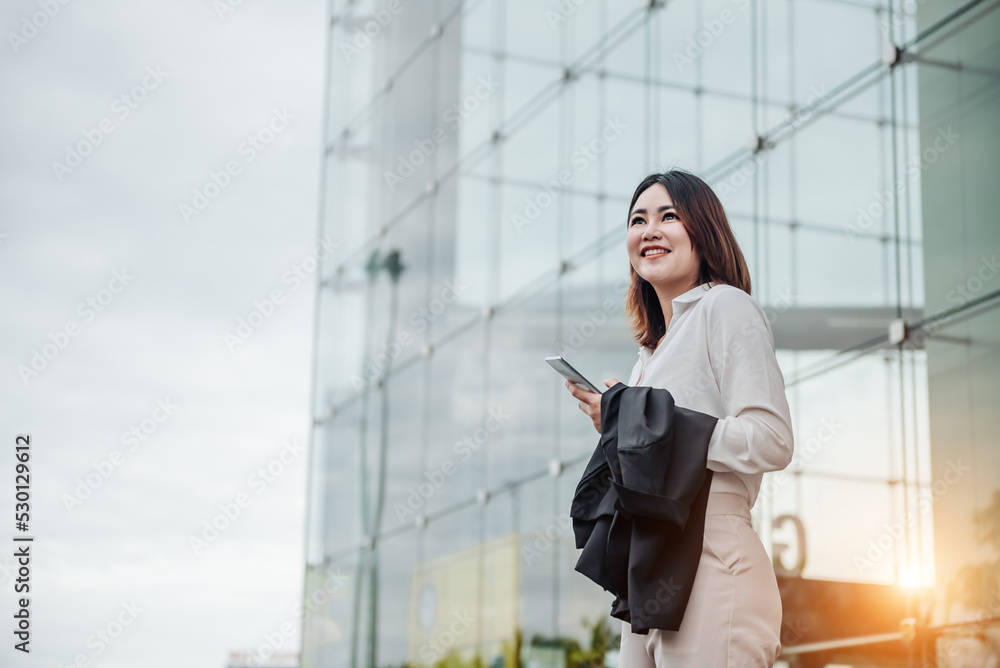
x=160, y=168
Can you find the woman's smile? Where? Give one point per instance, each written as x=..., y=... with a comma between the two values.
x=651, y=250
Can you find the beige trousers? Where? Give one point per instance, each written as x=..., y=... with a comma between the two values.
x=733, y=618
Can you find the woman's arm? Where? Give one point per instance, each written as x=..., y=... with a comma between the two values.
x=756, y=436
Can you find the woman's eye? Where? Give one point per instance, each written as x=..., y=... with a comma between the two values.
x=637, y=220
x=668, y=214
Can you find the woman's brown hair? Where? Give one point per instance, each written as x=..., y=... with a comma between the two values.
x=704, y=219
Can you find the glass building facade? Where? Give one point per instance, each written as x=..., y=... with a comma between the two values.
x=480, y=158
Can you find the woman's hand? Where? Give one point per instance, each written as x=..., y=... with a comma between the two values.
x=590, y=402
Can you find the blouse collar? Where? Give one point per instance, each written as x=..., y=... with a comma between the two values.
x=682, y=301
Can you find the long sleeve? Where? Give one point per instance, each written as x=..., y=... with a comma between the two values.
x=756, y=434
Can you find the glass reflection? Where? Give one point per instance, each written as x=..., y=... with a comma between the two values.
x=882, y=499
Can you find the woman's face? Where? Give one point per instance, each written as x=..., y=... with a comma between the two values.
x=654, y=223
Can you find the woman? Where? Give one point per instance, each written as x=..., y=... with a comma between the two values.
x=706, y=340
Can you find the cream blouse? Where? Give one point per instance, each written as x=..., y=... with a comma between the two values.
x=718, y=358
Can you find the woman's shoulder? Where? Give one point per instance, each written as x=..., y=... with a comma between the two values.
x=731, y=313
x=728, y=295
x=724, y=300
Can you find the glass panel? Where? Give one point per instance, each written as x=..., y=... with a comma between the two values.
x=536, y=501
x=583, y=227
x=580, y=25
x=347, y=187
x=618, y=12
x=339, y=354
x=356, y=66
x=812, y=218
x=726, y=126
x=623, y=163
x=595, y=338
x=776, y=280
x=473, y=112
x=850, y=178
x=584, y=111
x=315, y=529
x=676, y=46
x=501, y=515
x=399, y=598
x=341, y=444
x=777, y=168
x=411, y=134
x=747, y=236
x=820, y=31
x=528, y=237
x=331, y=592
x=530, y=30
x=582, y=604
x=448, y=581
x=524, y=83
x=675, y=126
x=474, y=254
x=531, y=154
x=964, y=368
x=478, y=27
x=448, y=304
x=404, y=495
x=724, y=44
x=862, y=517
x=776, y=47
x=959, y=99
x=460, y=427
x=624, y=55
x=524, y=386
x=843, y=418
x=614, y=207
x=827, y=255
x=407, y=35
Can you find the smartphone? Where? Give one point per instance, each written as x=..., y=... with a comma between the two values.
x=569, y=373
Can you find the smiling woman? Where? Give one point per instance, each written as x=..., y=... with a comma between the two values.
x=676, y=212
x=706, y=340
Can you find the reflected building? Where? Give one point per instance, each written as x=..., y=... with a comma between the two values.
x=479, y=160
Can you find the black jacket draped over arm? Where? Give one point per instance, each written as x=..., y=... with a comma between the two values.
x=639, y=509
